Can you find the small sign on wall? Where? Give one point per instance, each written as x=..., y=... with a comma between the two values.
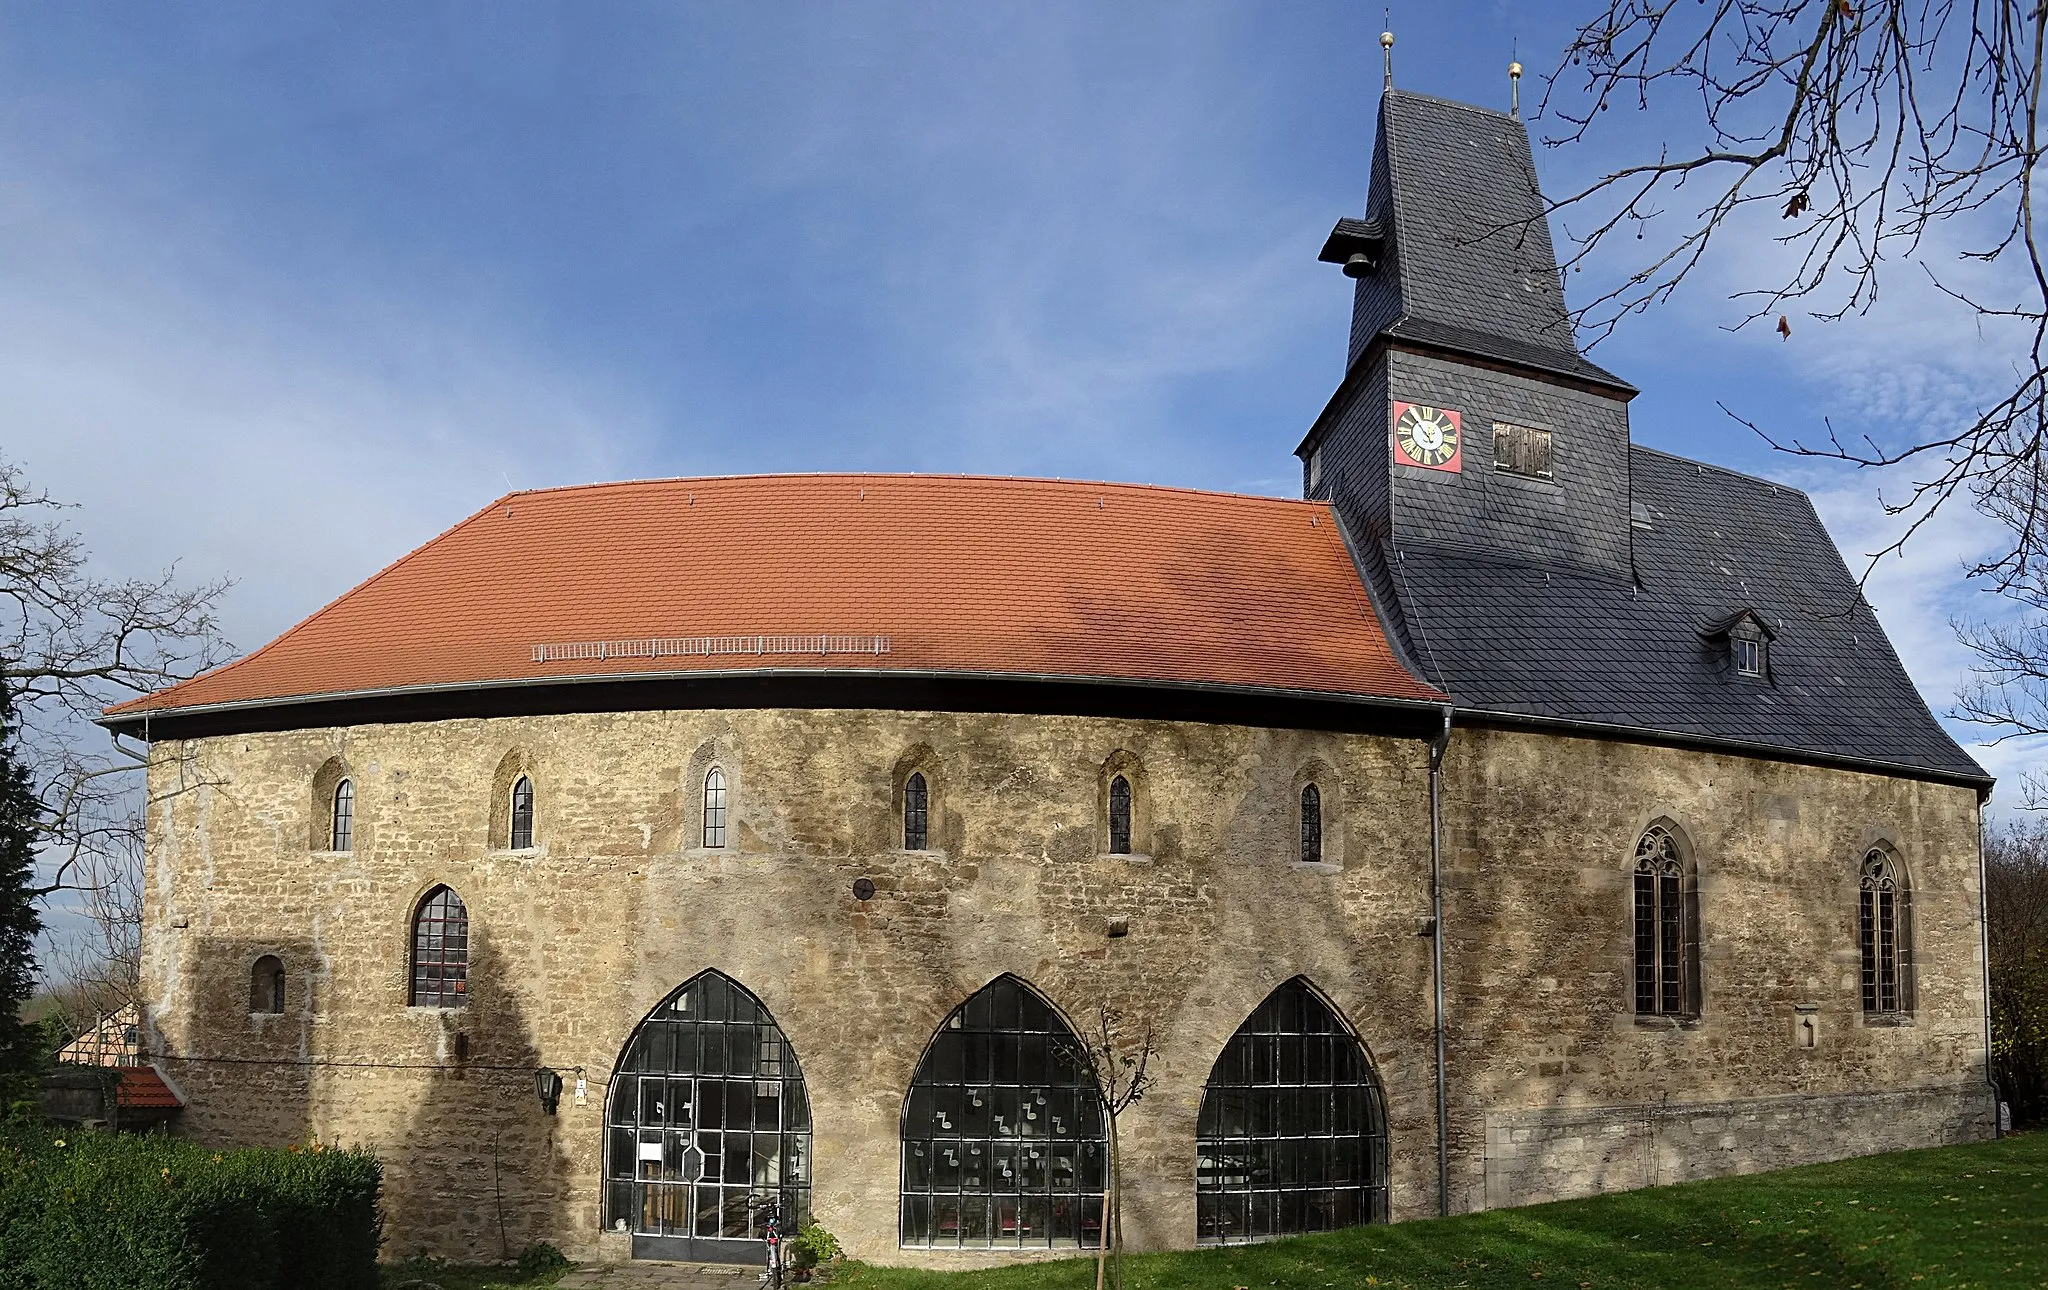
x=1429, y=437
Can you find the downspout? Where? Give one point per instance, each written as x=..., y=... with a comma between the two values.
x=1984, y=952
x=1437, y=748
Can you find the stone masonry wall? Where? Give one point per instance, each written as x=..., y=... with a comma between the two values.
x=576, y=939
x=1540, y=838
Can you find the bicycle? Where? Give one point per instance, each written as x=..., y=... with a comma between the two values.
x=767, y=1212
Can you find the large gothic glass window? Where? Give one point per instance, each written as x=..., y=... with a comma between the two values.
x=440, y=951
x=1885, y=929
x=1666, y=922
x=707, y=1110
x=1292, y=1135
x=1003, y=1131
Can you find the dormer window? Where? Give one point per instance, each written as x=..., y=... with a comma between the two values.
x=1521, y=450
x=1747, y=639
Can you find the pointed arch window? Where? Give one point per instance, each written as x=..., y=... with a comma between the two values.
x=708, y=1109
x=1292, y=1135
x=916, y=812
x=266, y=984
x=342, y=836
x=1885, y=930
x=440, y=951
x=522, y=814
x=1311, y=824
x=1666, y=927
x=1120, y=816
x=1003, y=1130
x=714, y=807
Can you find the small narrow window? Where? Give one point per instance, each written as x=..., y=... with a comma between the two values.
x=266, y=982
x=1120, y=816
x=1749, y=656
x=1311, y=825
x=522, y=814
x=916, y=806
x=440, y=951
x=714, y=808
x=344, y=833
x=1885, y=930
x=1666, y=912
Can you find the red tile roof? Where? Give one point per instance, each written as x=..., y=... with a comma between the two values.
x=961, y=574
x=141, y=1087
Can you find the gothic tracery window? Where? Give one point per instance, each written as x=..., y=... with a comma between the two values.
x=1292, y=1135
x=1311, y=824
x=440, y=951
x=1666, y=919
x=522, y=814
x=916, y=812
x=714, y=807
x=1003, y=1130
x=1885, y=932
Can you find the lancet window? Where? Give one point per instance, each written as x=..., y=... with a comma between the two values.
x=1666, y=923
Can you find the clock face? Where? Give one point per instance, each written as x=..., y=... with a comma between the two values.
x=1426, y=436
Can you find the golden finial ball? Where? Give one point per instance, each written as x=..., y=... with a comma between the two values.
x=1387, y=39
x=1515, y=70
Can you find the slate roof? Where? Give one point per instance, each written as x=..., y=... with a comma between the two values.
x=964, y=575
x=1560, y=641
x=1472, y=264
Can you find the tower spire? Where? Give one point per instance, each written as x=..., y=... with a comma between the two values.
x=1515, y=87
x=1387, y=57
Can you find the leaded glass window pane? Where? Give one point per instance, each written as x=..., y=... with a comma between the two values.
x=916, y=805
x=440, y=951
x=1003, y=1131
x=1292, y=1135
x=344, y=832
x=706, y=1111
x=1884, y=933
x=522, y=814
x=714, y=808
x=1119, y=816
x=1664, y=920
x=1311, y=825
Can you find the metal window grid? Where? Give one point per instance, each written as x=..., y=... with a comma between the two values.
x=708, y=1108
x=342, y=836
x=1003, y=1131
x=916, y=804
x=714, y=808
x=440, y=951
x=1292, y=1134
x=708, y=647
x=1882, y=934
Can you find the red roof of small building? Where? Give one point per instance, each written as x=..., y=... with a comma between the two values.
x=142, y=1088
x=959, y=574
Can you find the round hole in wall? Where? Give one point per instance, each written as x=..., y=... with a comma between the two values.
x=863, y=888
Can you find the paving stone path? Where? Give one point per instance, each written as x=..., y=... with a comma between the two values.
x=644, y=1274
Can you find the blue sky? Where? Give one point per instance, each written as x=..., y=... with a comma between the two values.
x=286, y=290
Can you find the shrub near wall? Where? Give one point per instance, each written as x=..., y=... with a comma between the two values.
x=102, y=1211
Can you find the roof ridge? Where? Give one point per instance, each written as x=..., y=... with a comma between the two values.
x=1398, y=92
x=872, y=475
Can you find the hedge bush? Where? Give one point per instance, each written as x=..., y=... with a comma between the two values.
x=105, y=1211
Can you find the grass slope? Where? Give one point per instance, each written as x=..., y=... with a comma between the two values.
x=1951, y=1216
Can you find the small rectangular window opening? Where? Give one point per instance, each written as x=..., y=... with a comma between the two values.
x=1749, y=657
x=1521, y=450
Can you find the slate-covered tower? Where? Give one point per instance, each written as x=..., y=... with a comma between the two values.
x=1534, y=563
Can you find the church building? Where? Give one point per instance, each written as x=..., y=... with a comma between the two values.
x=1520, y=814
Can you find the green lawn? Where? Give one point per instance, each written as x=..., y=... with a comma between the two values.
x=1951, y=1216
